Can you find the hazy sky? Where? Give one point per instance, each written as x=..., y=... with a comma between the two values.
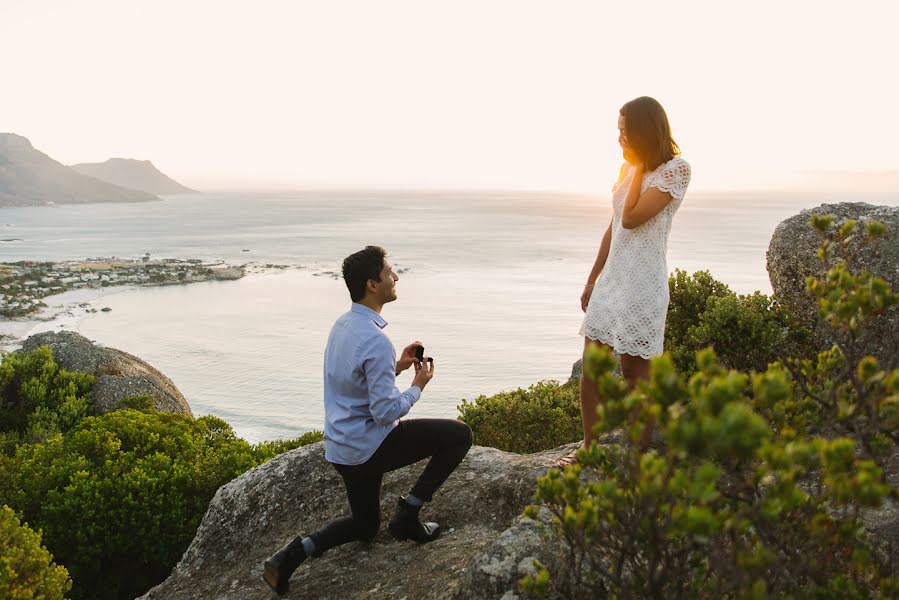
x=457, y=93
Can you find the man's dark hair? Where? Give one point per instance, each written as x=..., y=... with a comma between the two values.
x=361, y=266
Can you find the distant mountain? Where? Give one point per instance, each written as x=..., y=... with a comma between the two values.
x=133, y=174
x=29, y=177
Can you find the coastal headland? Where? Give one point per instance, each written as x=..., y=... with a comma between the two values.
x=24, y=284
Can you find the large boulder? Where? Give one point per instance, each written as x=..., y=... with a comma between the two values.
x=119, y=375
x=299, y=492
x=792, y=256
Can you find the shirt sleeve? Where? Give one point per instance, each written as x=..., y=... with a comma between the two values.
x=386, y=402
x=673, y=178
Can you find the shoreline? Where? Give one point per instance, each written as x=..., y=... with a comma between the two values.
x=52, y=296
x=25, y=284
x=59, y=314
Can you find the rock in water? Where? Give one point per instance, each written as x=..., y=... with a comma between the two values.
x=792, y=256
x=119, y=374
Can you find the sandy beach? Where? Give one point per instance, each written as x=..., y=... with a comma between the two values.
x=63, y=312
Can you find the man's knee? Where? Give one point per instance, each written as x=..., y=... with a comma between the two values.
x=462, y=434
x=468, y=436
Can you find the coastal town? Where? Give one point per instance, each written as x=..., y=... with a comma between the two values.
x=24, y=285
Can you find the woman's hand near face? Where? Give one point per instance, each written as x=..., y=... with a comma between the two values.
x=631, y=157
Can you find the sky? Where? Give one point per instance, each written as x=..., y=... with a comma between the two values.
x=463, y=94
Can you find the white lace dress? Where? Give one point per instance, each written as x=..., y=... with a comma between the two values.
x=629, y=303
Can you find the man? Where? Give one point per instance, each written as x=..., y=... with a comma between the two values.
x=364, y=436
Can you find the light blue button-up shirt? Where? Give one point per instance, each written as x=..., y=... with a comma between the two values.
x=362, y=402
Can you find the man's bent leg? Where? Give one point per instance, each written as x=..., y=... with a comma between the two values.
x=363, y=489
x=446, y=441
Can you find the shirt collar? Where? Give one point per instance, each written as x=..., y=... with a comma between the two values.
x=360, y=309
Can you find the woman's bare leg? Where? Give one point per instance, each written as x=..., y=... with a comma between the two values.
x=636, y=369
x=590, y=398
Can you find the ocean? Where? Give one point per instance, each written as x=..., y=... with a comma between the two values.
x=489, y=283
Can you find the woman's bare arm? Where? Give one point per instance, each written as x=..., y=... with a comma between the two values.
x=598, y=265
x=639, y=208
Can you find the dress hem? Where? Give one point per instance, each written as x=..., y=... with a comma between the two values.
x=615, y=347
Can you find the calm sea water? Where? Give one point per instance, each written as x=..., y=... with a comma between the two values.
x=489, y=283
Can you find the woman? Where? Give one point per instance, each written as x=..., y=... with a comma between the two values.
x=626, y=295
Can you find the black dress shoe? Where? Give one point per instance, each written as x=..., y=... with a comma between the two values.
x=278, y=568
x=405, y=524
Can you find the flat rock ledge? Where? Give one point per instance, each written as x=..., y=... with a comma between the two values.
x=119, y=375
x=298, y=492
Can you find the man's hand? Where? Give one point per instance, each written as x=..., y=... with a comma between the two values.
x=407, y=358
x=424, y=372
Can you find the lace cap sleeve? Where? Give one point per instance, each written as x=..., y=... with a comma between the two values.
x=673, y=177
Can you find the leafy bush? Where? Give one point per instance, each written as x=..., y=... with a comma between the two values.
x=38, y=399
x=688, y=298
x=747, y=331
x=26, y=567
x=120, y=496
x=744, y=504
x=264, y=451
x=727, y=512
x=842, y=389
x=543, y=416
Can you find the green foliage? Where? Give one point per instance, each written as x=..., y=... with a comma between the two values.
x=747, y=331
x=543, y=416
x=27, y=571
x=38, y=399
x=850, y=391
x=746, y=502
x=726, y=512
x=688, y=298
x=120, y=496
x=263, y=451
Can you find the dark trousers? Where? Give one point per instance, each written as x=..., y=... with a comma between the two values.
x=446, y=441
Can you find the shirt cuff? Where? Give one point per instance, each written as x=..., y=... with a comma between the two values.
x=415, y=392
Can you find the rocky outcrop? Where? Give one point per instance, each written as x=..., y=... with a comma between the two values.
x=29, y=177
x=298, y=492
x=792, y=256
x=133, y=174
x=119, y=375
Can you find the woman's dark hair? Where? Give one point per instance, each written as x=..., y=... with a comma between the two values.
x=648, y=132
x=361, y=266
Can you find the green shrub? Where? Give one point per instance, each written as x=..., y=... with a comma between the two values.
x=120, y=496
x=543, y=416
x=264, y=451
x=744, y=503
x=688, y=298
x=842, y=389
x=747, y=331
x=37, y=398
x=27, y=570
x=726, y=512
